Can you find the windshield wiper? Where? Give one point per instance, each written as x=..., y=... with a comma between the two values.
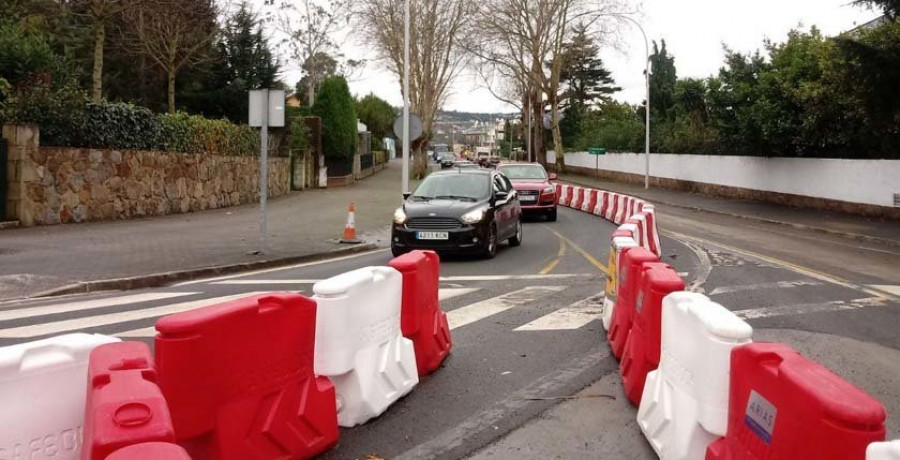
x=421, y=198
x=454, y=197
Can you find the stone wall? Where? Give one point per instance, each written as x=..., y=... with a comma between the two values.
x=63, y=185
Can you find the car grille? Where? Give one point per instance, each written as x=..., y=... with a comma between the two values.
x=433, y=223
x=528, y=192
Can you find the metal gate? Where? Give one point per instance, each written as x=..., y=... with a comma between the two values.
x=3, y=185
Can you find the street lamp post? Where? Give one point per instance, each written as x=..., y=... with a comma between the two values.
x=647, y=106
x=405, y=180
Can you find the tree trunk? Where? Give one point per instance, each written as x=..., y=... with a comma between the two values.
x=557, y=136
x=171, y=91
x=97, y=74
x=311, y=92
x=537, y=130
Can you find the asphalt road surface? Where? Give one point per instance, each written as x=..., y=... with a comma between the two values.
x=526, y=324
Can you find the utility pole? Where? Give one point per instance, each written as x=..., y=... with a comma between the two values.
x=529, y=126
x=405, y=181
x=647, y=105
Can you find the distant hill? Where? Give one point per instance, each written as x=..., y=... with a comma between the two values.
x=452, y=116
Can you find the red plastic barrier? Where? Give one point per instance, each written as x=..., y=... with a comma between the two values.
x=631, y=264
x=421, y=318
x=784, y=406
x=591, y=200
x=150, y=451
x=124, y=405
x=239, y=379
x=642, y=347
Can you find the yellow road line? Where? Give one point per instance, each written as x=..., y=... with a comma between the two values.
x=559, y=255
x=581, y=251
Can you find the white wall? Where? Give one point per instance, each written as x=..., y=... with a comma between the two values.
x=856, y=181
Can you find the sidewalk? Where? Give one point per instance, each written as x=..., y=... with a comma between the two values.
x=885, y=232
x=302, y=224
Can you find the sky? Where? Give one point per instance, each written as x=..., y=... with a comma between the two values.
x=694, y=31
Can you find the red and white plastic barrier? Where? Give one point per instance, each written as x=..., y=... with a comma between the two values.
x=684, y=406
x=238, y=378
x=782, y=405
x=617, y=245
x=42, y=396
x=359, y=345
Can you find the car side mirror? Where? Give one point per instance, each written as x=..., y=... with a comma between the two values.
x=500, y=196
x=406, y=195
x=553, y=176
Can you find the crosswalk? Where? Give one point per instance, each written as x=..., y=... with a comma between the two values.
x=119, y=314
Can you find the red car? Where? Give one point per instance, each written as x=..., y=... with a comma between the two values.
x=537, y=195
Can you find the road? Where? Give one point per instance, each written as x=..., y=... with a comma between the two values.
x=526, y=324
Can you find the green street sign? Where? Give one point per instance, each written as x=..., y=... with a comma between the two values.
x=597, y=151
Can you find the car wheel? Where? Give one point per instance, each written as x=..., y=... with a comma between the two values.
x=551, y=216
x=397, y=252
x=517, y=240
x=490, y=246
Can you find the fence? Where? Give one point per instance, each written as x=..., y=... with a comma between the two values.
x=3, y=183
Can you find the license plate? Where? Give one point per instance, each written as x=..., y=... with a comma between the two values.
x=432, y=235
x=528, y=198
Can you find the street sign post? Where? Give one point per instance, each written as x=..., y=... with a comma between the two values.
x=266, y=110
x=596, y=152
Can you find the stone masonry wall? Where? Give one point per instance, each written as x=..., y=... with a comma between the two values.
x=63, y=185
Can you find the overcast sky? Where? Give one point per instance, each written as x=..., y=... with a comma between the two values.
x=694, y=31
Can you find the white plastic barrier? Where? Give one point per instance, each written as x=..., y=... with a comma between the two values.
x=589, y=196
x=643, y=239
x=576, y=192
x=565, y=195
x=358, y=342
x=883, y=451
x=621, y=209
x=612, y=279
x=43, y=385
x=684, y=406
x=610, y=213
x=598, y=208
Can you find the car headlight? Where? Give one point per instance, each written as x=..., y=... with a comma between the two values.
x=549, y=190
x=399, y=216
x=473, y=216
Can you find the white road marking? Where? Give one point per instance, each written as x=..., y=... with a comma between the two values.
x=6, y=315
x=773, y=285
x=277, y=269
x=248, y=282
x=806, y=308
x=57, y=327
x=890, y=289
x=574, y=316
x=449, y=293
x=489, y=307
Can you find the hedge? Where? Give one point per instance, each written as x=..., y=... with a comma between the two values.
x=69, y=120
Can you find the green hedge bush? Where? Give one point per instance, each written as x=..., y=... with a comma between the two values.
x=335, y=106
x=67, y=119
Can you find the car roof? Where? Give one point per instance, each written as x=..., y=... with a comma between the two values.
x=483, y=172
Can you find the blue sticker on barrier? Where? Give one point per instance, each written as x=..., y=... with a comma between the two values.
x=760, y=416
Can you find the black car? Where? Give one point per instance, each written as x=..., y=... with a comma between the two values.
x=461, y=211
x=446, y=160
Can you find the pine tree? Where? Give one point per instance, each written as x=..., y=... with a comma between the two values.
x=584, y=79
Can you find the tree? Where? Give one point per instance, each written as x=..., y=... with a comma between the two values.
x=662, y=83
x=309, y=26
x=583, y=79
x=334, y=105
x=378, y=115
x=890, y=7
x=690, y=98
x=98, y=14
x=316, y=68
x=173, y=34
x=243, y=61
x=436, y=54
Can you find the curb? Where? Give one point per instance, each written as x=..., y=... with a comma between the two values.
x=827, y=231
x=162, y=279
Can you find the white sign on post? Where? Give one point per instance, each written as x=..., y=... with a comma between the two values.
x=266, y=110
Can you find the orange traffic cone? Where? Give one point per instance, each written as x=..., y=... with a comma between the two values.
x=350, y=228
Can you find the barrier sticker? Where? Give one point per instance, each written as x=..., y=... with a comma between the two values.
x=760, y=416
x=639, y=303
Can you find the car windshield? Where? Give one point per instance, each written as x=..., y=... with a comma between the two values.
x=520, y=172
x=440, y=148
x=465, y=187
x=446, y=156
